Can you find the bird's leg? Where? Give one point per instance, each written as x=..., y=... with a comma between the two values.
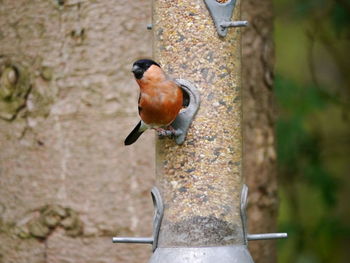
x=174, y=132
x=162, y=132
x=169, y=132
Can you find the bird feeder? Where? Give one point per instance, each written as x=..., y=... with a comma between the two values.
x=200, y=182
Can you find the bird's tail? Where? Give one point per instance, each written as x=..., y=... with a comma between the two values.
x=135, y=134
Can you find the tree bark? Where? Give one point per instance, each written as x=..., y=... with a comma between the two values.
x=259, y=156
x=67, y=101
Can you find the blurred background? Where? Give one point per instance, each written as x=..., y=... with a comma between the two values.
x=67, y=101
x=312, y=87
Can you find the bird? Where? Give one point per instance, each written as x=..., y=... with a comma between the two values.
x=160, y=99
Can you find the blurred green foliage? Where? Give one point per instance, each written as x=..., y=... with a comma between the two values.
x=312, y=88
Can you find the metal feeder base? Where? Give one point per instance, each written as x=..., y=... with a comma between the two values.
x=226, y=254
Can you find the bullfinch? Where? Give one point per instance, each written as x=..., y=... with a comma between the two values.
x=160, y=100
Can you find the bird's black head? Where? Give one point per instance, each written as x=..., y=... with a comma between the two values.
x=140, y=67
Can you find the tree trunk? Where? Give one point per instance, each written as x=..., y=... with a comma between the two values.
x=259, y=156
x=67, y=101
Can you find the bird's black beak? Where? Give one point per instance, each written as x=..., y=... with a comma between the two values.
x=135, y=68
x=138, y=72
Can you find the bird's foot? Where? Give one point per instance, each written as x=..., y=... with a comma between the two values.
x=170, y=132
x=163, y=132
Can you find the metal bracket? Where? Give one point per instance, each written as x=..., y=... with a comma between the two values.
x=221, y=14
x=248, y=237
x=183, y=121
x=244, y=203
x=158, y=214
x=157, y=220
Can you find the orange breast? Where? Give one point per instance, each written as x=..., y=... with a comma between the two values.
x=160, y=104
x=160, y=98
